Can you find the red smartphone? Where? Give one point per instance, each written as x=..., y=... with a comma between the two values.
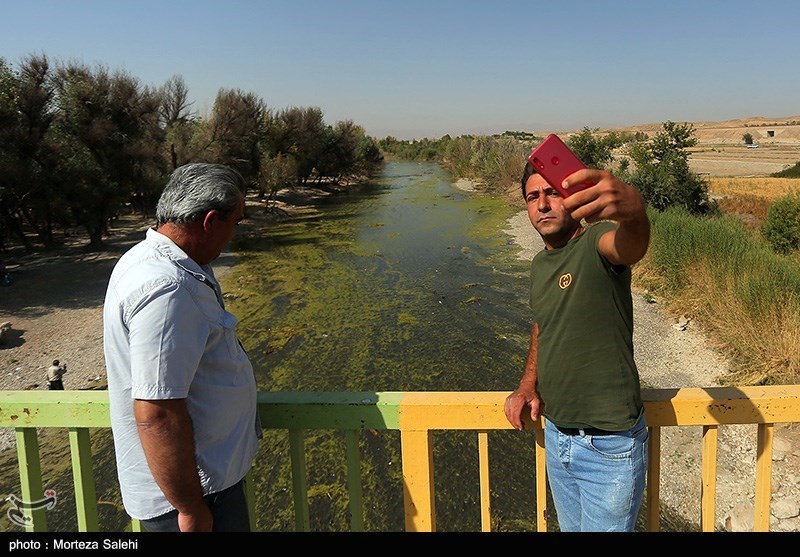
x=555, y=161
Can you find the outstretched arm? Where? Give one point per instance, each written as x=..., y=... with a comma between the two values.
x=612, y=199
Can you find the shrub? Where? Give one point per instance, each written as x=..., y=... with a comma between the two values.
x=791, y=172
x=670, y=183
x=663, y=175
x=781, y=229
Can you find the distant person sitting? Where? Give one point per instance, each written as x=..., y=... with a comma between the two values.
x=54, y=376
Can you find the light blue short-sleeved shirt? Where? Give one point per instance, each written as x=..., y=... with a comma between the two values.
x=167, y=336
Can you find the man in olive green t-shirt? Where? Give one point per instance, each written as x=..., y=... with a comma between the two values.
x=580, y=373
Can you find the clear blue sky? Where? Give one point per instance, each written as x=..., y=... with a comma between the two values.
x=424, y=68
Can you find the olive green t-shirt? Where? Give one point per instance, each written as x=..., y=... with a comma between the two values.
x=582, y=303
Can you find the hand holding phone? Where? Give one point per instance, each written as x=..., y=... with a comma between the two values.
x=554, y=161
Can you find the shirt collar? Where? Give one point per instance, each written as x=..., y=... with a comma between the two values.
x=171, y=251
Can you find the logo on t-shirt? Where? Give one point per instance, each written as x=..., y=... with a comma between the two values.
x=564, y=281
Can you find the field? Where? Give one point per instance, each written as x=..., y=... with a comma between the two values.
x=738, y=161
x=738, y=176
x=721, y=150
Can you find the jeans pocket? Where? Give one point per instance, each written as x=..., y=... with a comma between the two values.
x=612, y=446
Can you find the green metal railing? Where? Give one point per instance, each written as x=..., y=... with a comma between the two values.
x=415, y=415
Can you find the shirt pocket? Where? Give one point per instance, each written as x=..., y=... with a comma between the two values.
x=228, y=322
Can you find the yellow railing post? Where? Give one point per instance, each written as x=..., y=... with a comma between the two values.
x=483, y=473
x=653, y=479
x=763, y=477
x=418, y=494
x=541, y=478
x=708, y=491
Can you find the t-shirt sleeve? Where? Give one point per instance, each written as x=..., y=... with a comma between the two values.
x=597, y=230
x=168, y=335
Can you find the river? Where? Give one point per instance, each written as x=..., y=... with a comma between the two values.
x=406, y=283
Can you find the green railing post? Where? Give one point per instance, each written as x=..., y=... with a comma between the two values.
x=82, y=474
x=354, y=481
x=299, y=480
x=30, y=477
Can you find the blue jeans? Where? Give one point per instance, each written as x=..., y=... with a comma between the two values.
x=228, y=506
x=597, y=481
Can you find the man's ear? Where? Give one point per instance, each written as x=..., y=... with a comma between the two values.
x=209, y=219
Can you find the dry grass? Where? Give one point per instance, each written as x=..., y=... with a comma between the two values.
x=763, y=349
x=749, y=198
x=766, y=348
x=761, y=187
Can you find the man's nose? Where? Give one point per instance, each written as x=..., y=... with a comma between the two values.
x=544, y=203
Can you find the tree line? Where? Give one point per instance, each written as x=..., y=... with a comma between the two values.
x=79, y=144
x=658, y=166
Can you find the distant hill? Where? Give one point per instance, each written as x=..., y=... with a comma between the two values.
x=777, y=131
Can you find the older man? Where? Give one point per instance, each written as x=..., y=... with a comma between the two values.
x=181, y=387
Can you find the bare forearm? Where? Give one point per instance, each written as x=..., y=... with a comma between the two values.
x=530, y=373
x=526, y=396
x=631, y=240
x=165, y=430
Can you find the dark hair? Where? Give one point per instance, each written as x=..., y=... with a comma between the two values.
x=529, y=171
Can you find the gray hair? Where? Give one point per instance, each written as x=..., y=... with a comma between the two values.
x=195, y=189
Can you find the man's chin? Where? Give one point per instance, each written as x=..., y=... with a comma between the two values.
x=547, y=227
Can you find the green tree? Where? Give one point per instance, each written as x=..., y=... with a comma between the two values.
x=28, y=163
x=673, y=140
x=301, y=133
x=747, y=138
x=277, y=173
x=594, y=152
x=107, y=133
x=9, y=160
x=181, y=124
x=662, y=172
x=237, y=129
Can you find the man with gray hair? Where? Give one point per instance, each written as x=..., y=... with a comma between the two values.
x=181, y=387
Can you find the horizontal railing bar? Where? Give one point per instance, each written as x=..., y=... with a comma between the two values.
x=722, y=405
x=418, y=410
x=54, y=409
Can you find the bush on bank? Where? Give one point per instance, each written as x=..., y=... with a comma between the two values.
x=744, y=294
